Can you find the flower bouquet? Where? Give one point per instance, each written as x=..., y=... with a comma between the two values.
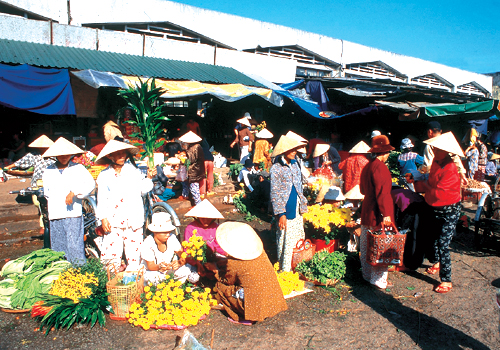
x=312, y=189
x=77, y=296
x=195, y=248
x=326, y=222
x=171, y=305
x=87, y=159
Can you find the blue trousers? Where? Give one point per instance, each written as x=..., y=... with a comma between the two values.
x=66, y=235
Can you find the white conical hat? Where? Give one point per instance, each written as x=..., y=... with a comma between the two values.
x=62, y=147
x=446, y=142
x=360, y=147
x=41, y=142
x=190, y=137
x=495, y=156
x=354, y=193
x=264, y=134
x=205, y=209
x=239, y=240
x=320, y=149
x=114, y=146
x=285, y=144
x=296, y=136
x=244, y=121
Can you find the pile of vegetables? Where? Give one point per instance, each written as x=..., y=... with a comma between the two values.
x=79, y=296
x=325, y=268
x=27, y=278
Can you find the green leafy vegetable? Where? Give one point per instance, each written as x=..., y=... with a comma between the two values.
x=324, y=267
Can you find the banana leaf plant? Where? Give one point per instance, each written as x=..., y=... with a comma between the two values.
x=144, y=100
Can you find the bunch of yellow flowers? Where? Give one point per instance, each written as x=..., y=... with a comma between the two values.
x=170, y=303
x=195, y=248
x=324, y=216
x=289, y=281
x=74, y=285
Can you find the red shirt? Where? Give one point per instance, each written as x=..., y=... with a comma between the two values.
x=376, y=185
x=444, y=182
x=351, y=170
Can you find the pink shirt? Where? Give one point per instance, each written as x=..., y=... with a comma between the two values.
x=208, y=235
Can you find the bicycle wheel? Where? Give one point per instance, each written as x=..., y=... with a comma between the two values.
x=89, y=226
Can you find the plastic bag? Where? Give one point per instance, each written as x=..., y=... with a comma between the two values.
x=189, y=342
x=182, y=174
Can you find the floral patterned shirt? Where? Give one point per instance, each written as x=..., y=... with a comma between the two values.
x=283, y=177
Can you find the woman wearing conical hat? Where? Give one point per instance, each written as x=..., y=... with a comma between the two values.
x=247, y=286
x=443, y=195
x=204, y=225
x=119, y=204
x=287, y=199
x=354, y=164
x=261, y=152
x=65, y=185
x=34, y=159
x=196, y=169
x=244, y=139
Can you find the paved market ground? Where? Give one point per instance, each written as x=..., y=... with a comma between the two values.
x=352, y=316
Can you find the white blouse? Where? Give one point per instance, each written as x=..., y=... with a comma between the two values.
x=150, y=252
x=119, y=196
x=58, y=183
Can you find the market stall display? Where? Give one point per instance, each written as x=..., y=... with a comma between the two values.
x=326, y=223
x=29, y=277
x=324, y=268
x=171, y=305
x=77, y=296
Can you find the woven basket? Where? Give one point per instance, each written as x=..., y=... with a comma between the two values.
x=95, y=170
x=122, y=297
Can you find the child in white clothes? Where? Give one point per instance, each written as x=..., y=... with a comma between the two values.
x=159, y=253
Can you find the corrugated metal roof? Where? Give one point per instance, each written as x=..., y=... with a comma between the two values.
x=43, y=55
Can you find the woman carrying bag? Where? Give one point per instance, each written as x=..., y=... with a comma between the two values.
x=287, y=199
x=378, y=208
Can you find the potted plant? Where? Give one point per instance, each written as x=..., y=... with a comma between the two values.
x=325, y=225
x=324, y=268
x=144, y=100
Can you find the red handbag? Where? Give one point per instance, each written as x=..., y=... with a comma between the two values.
x=385, y=246
x=304, y=250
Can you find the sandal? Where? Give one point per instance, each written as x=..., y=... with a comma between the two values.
x=432, y=270
x=243, y=323
x=442, y=289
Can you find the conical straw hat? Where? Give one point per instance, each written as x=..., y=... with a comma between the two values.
x=205, y=209
x=62, y=147
x=264, y=134
x=239, y=240
x=285, y=144
x=320, y=149
x=114, y=146
x=354, y=193
x=446, y=142
x=360, y=147
x=296, y=136
x=244, y=121
x=41, y=142
x=495, y=156
x=190, y=137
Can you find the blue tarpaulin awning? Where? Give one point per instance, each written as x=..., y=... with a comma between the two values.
x=38, y=90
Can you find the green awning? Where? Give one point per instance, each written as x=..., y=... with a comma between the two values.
x=455, y=109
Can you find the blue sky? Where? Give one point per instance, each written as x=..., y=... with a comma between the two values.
x=459, y=33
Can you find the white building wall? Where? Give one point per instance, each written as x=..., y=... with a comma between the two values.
x=53, y=9
x=18, y=28
x=235, y=31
